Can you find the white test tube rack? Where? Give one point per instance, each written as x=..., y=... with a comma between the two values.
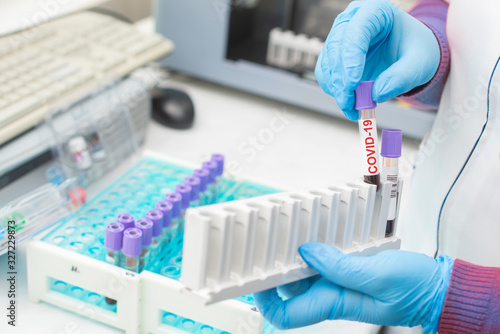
x=352, y=217
x=235, y=248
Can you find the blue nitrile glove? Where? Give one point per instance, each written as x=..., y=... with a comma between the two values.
x=375, y=40
x=392, y=288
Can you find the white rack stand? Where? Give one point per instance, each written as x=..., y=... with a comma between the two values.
x=235, y=248
x=141, y=298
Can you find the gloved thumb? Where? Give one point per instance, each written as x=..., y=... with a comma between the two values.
x=399, y=78
x=348, y=271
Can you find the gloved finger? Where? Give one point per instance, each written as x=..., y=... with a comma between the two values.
x=367, y=29
x=398, y=79
x=353, y=272
x=329, y=75
x=297, y=288
x=323, y=301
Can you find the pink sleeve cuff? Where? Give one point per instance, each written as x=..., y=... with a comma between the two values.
x=472, y=302
x=433, y=14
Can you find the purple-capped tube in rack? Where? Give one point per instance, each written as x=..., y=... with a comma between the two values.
x=176, y=200
x=132, y=248
x=113, y=241
x=185, y=191
x=165, y=207
x=219, y=159
x=203, y=174
x=176, y=225
x=194, y=183
x=157, y=217
x=146, y=227
x=212, y=180
x=127, y=220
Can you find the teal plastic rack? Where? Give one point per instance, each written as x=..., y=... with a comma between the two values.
x=136, y=192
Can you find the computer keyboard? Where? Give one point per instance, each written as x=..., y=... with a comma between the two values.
x=50, y=66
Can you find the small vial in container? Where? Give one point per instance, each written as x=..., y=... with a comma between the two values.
x=165, y=207
x=219, y=159
x=391, y=152
x=79, y=151
x=113, y=242
x=212, y=186
x=156, y=216
x=203, y=175
x=132, y=248
x=126, y=219
x=368, y=132
x=175, y=226
x=146, y=227
x=194, y=183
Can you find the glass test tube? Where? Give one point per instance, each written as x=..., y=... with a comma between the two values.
x=391, y=152
x=185, y=192
x=176, y=200
x=157, y=217
x=113, y=242
x=212, y=186
x=146, y=227
x=132, y=248
x=194, y=183
x=127, y=220
x=203, y=175
x=368, y=132
x=219, y=160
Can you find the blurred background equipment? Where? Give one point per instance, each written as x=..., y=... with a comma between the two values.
x=267, y=48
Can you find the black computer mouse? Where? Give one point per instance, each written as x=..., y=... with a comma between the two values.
x=173, y=108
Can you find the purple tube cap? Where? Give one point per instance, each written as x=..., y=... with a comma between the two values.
x=126, y=219
x=146, y=226
x=165, y=208
x=176, y=200
x=156, y=216
x=114, y=236
x=392, y=140
x=132, y=242
x=185, y=191
x=212, y=167
x=364, y=98
x=219, y=159
x=204, y=175
x=194, y=183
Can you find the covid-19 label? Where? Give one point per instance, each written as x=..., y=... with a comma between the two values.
x=369, y=142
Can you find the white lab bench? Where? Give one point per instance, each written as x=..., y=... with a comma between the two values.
x=278, y=144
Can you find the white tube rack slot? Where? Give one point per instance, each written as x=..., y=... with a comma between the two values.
x=235, y=248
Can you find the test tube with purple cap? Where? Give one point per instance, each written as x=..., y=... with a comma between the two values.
x=212, y=179
x=126, y=219
x=146, y=227
x=132, y=248
x=194, y=182
x=165, y=207
x=186, y=193
x=391, y=152
x=157, y=217
x=219, y=159
x=176, y=200
x=113, y=242
x=368, y=132
x=203, y=174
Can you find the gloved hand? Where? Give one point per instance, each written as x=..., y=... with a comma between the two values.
x=392, y=288
x=375, y=40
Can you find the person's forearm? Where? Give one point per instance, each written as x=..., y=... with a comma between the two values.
x=472, y=302
x=433, y=14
